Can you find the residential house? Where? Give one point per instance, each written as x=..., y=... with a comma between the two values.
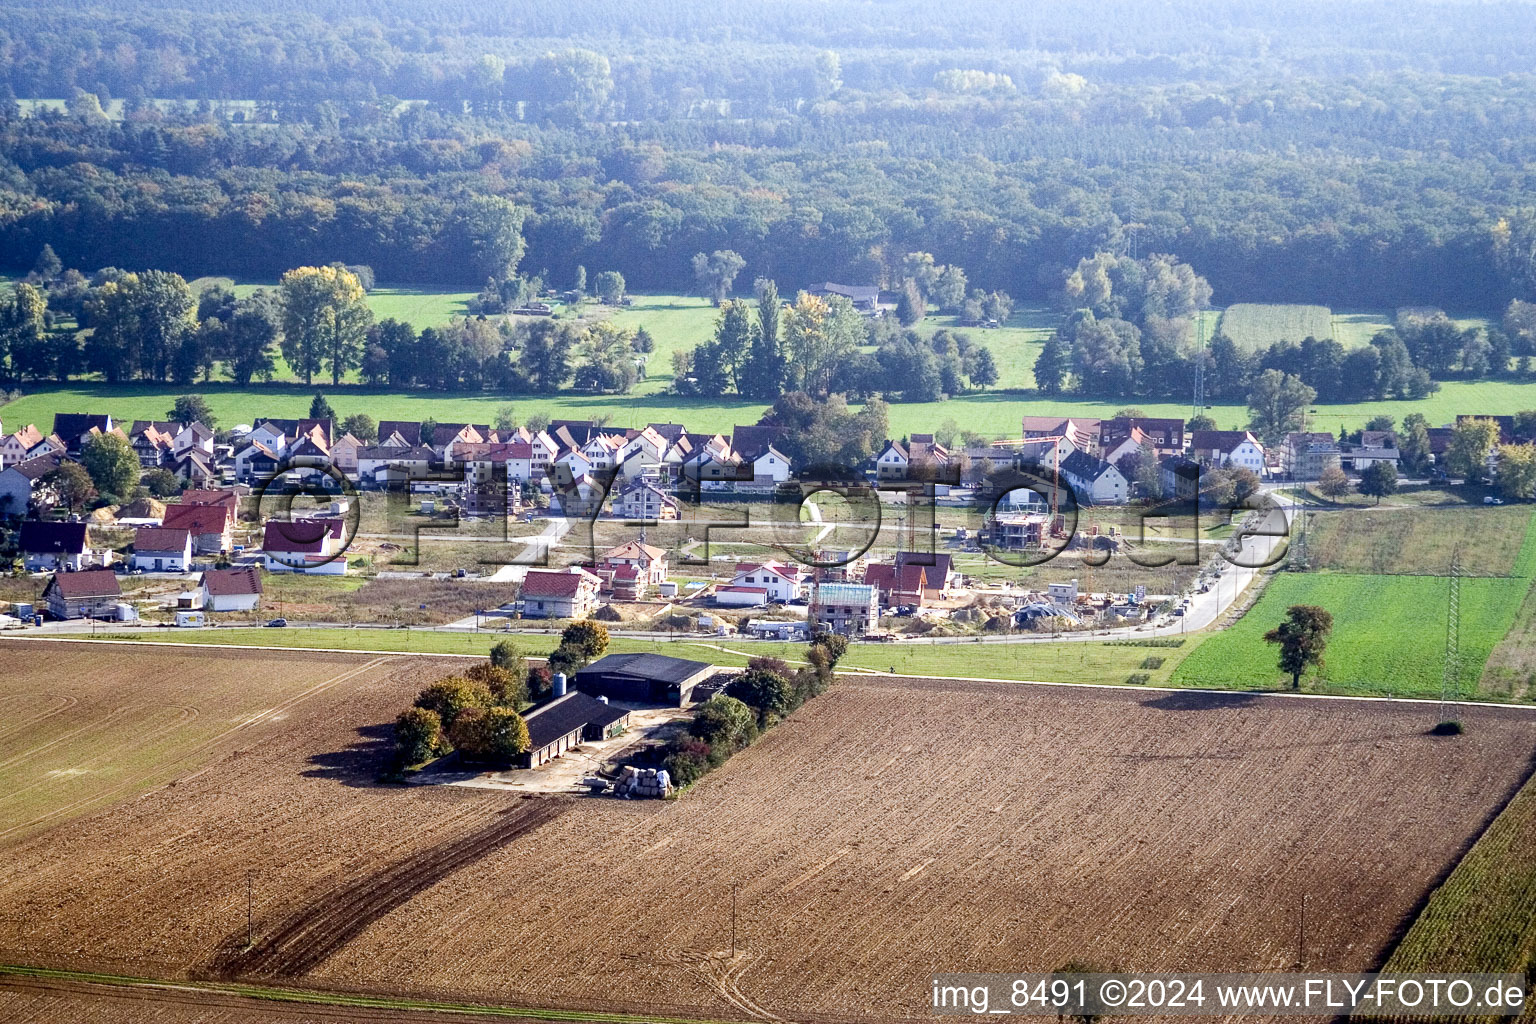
x=195, y=468
x=898, y=584
x=1180, y=477
x=643, y=501
x=385, y=465
x=893, y=462
x=78, y=595
x=846, y=608
x=581, y=498
x=192, y=436
x=1304, y=456
x=940, y=566
x=1375, y=446
x=212, y=526
x=152, y=442
x=162, y=549
x=309, y=546
x=1038, y=455
x=1083, y=433
x=1237, y=449
x=74, y=427
x=650, y=560
x=566, y=594
x=18, y=446
x=399, y=433
x=344, y=454
x=27, y=485
x=781, y=582
x=258, y=461
x=232, y=590
x=1166, y=434
x=1094, y=481
x=47, y=546
x=1134, y=445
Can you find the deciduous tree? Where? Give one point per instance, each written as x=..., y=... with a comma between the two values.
x=113, y=466
x=1303, y=637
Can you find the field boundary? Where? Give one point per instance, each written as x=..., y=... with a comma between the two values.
x=871, y=673
x=87, y=979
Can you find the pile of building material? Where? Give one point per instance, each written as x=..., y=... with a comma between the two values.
x=642, y=783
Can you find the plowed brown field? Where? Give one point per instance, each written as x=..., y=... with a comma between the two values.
x=891, y=829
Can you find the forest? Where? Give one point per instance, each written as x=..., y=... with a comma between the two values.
x=1352, y=154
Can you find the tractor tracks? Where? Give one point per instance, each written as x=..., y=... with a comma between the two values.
x=311, y=935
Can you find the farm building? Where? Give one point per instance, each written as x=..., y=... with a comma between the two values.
x=232, y=590
x=644, y=678
x=567, y=721
x=78, y=595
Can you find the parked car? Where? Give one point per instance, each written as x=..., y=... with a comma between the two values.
x=278, y=622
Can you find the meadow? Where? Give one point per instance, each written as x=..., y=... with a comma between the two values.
x=677, y=323
x=1061, y=662
x=1391, y=540
x=1388, y=635
x=993, y=413
x=1254, y=326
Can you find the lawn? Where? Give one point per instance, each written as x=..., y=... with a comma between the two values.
x=1258, y=325
x=1483, y=917
x=1388, y=635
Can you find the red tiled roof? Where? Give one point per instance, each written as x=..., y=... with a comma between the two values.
x=160, y=538
x=95, y=583
x=201, y=520
x=244, y=579
x=553, y=584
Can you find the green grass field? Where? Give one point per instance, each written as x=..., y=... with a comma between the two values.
x=419, y=307
x=995, y=413
x=1078, y=662
x=1356, y=329
x=1483, y=917
x=1417, y=540
x=1388, y=635
x=1258, y=325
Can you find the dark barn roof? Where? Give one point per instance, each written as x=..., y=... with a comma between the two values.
x=646, y=666
x=565, y=715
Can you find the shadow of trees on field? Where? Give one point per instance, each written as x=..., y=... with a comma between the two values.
x=1201, y=700
x=360, y=764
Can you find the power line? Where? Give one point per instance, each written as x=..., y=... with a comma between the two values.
x=1450, y=685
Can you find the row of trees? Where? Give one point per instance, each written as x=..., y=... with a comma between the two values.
x=815, y=344
x=753, y=702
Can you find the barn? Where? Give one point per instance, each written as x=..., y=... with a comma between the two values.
x=644, y=678
x=567, y=720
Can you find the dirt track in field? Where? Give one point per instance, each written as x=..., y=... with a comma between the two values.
x=891, y=829
x=318, y=929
